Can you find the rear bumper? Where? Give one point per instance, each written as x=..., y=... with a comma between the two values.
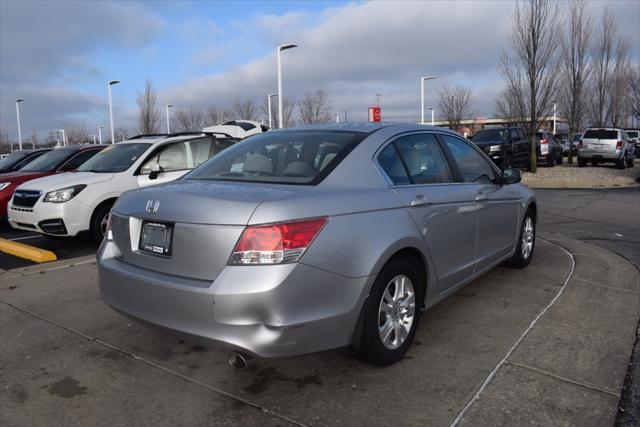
x=600, y=155
x=268, y=311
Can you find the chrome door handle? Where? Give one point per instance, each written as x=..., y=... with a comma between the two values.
x=419, y=200
x=480, y=197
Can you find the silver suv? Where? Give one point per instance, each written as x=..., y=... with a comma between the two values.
x=602, y=145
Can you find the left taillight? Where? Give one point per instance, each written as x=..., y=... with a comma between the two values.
x=619, y=145
x=275, y=243
x=108, y=233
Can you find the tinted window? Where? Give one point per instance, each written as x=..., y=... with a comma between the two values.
x=290, y=157
x=473, y=166
x=28, y=159
x=49, y=161
x=115, y=158
x=78, y=160
x=632, y=133
x=11, y=160
x=488, y=135
x=390, y=162
x=423, y=159
x=601, y=134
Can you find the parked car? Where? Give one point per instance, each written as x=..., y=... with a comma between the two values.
x=507, y=146
x=238, y=128
x=306, y=239
x=606, y=145
x=548, y=149
x=576, y=141
x=19, y=159
x=634, y=135
x=67, y=204
x=55, y=161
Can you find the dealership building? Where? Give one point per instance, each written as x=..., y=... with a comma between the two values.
x=471, y=126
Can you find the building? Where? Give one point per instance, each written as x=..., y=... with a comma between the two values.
x=470, y=126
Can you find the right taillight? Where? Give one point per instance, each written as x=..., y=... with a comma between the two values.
x=275, y=243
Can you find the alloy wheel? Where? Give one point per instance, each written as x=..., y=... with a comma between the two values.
x=527, y=238
x=396, y=312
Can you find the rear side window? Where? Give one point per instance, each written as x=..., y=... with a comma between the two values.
x=473, y=166
x=287, y=157
x=423, y=159
x=601, y=134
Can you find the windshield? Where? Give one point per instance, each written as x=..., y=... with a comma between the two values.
x=633, y=133
x=491, y=135
x=11, y=160
x=48, y=162
x=115, y=158
x=290, y=157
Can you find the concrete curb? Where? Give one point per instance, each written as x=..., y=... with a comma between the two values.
x=570, y=368
x=39, y=268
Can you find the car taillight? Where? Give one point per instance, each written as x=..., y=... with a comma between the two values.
x=618, y=145
x=544, y=141
x=579, y=143
x=275, y=243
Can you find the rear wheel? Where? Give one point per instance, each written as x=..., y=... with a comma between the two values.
x=582, y=163
x=99, y=222
x=392, y=313
x=630, y=162
x=622, y=163
x=526, y=242
x=560, y=158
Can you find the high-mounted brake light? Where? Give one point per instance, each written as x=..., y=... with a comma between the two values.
x=275, y=243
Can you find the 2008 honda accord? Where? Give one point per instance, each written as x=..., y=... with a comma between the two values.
x=307, y=239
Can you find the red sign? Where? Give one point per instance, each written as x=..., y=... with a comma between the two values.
x=374, y=114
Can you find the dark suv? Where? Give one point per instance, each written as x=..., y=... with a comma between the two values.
x=548, y=149
x=505, y=146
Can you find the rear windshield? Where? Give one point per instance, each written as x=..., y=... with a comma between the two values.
x=115, y=158
x=48, y=162
x=289, y=157
x=601, y=134
x=491, y=135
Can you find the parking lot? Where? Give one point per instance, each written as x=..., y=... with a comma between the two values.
x=545, y=345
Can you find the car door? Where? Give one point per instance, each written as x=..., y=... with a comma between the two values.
x=442, y=209
x=520, y=147
x=169, y=162
x=496, y=205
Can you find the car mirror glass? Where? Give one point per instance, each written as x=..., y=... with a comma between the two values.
x=511, y=176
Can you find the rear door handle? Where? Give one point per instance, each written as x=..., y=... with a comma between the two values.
x=419, y=200
x=481, y=197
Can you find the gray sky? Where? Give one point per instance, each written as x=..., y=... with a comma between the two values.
x=59, y=55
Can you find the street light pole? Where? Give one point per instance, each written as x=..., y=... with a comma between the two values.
x=64, y=138
x=337, y=117
x=111, y=83
x=94, y=138
x=271, y=95
x=422, y=79
x=432, y=121
x=100, y=133
x=168, y=125
x=18, y=101
x=280, y=49
x=554, y=117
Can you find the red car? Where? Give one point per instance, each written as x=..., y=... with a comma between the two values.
x=58, y=160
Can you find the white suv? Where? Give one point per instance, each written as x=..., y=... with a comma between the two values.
x=600, y=145
x=69, y=203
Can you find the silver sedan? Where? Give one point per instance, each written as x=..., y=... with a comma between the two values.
x=306, y=239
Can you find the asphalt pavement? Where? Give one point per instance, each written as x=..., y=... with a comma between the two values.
x=609, y=218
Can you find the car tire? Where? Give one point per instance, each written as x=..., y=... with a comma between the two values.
x=526, y=242
x=387, y=312
x=621, y=164
x=581, y=163
x=98, y=222
x=630, y=162
x=561, y=159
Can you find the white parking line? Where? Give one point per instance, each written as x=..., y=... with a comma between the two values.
x=515, y=345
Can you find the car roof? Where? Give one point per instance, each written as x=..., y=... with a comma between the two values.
x=367, y=127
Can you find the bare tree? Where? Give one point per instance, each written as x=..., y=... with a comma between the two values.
x=454, y=105
x=188, y=120
x=315, y=108
x=575, y=68
x=215, y=116
x=634, y=91
x=5, y=142
x=76, y=132
x=288, y=107
x=529, y=65
x=507, y=107
x=245, y=110
x=148, y=113
x=618, y=90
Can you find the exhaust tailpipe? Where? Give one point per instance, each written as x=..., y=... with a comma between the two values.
x=239, y=360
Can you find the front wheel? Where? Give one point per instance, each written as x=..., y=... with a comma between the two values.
x=630, y=162
x=526, y=242
x=392, y=314
x=99, y=222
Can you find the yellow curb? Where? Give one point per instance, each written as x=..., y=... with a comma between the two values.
x=25, y=251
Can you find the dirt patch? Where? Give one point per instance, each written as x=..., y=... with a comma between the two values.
x=571, y=176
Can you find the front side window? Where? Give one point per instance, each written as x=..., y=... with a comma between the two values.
x=171, y=158
x=472, y=165
x=115, y=158
x=290, y=157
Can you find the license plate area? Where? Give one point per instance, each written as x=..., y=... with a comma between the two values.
x=156, y=237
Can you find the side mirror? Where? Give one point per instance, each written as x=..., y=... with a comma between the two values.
x=155, y=170
x=511, y=176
